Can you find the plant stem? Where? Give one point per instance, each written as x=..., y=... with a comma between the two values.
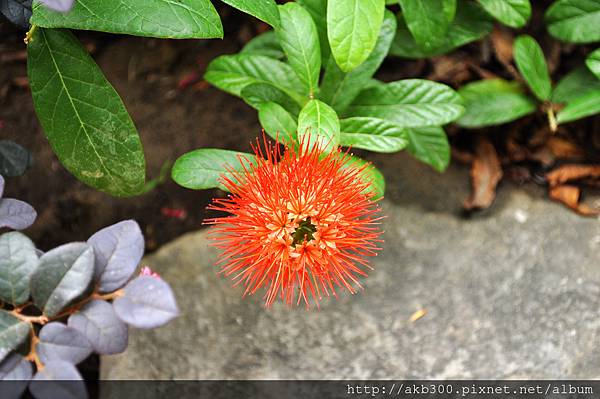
x=29, y=34
x=552, y=119
x=32, y=356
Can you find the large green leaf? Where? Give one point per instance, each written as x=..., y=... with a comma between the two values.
x=409, y=103
x=318, y=11
x=580, y=107
x=494, y=102
x=18, y=261
x=352, y=28
x=83, y=116
x=12, y=333
x=430, y=145
x=470, y=23
x=202, y=169
x=593, y=62
x=256, y=94
x=177, y=19
x=63, y=274
x=576, y=83
x=370, y=174
x=575, y=21
x=232, y=73
x=277, y=122
x=372, y=134
x=321, y=122
x=266, y=44
x=300, y=42
x=265, y=10
x=339, y=89
x=532, y=65
x=428, y=20
x=514, y=13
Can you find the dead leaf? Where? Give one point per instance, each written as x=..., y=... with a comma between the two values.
x=461, y=156
x=571, y=172
x=570, y=196
x=486, y=172
x=450, y=69
x=417, y=315
x=516, y=152
x=502, y=43
x=564, y=149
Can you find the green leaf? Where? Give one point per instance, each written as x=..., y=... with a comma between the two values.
x=430, y=145
x=579, y=91
x=277, y=122
x=531, y=63
x=265, y=44
x=409, y=103
x=579, y=107
x=514, y=13
x=18, y=261
x=265, y=10
x=231, y=73
x=13, y=333
x=62, y=275
x=339, y=89
x=493, y=102
x=321, y=122
x=318, y=11
x=82, y=115
x=352, y=29
x=470, y=23
x=372, y=134
x=575, y=84
x=428, y=21
x=257, y=94
x=575, y=21
x=593, y=62
x=370, y=175
x=204, y=168
x=178, y=19
x=300, y=42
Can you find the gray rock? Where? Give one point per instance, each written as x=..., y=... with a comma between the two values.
x=513, y=292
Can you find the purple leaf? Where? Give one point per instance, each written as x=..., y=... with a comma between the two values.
x=59, y=342
x=147, y=302
x=63, y=6
x=58, y=379
x=15, y=367
x=15, y=214
x=1, y=186
x=118, y=249
x=15, y=373
x=101, y=326
x=62, y=275
x=18, y=261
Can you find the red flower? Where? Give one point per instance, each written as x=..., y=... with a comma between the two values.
x=302, y=224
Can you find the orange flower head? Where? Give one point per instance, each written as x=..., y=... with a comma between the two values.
x=302, y=223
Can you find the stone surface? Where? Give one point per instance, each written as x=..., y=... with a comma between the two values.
x=513, y=292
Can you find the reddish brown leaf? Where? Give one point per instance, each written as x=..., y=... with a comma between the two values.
x=570, y=172
x=570, y=196
x=450, y=69
x=564, y=149
x=486, y=172
x=502, y=43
